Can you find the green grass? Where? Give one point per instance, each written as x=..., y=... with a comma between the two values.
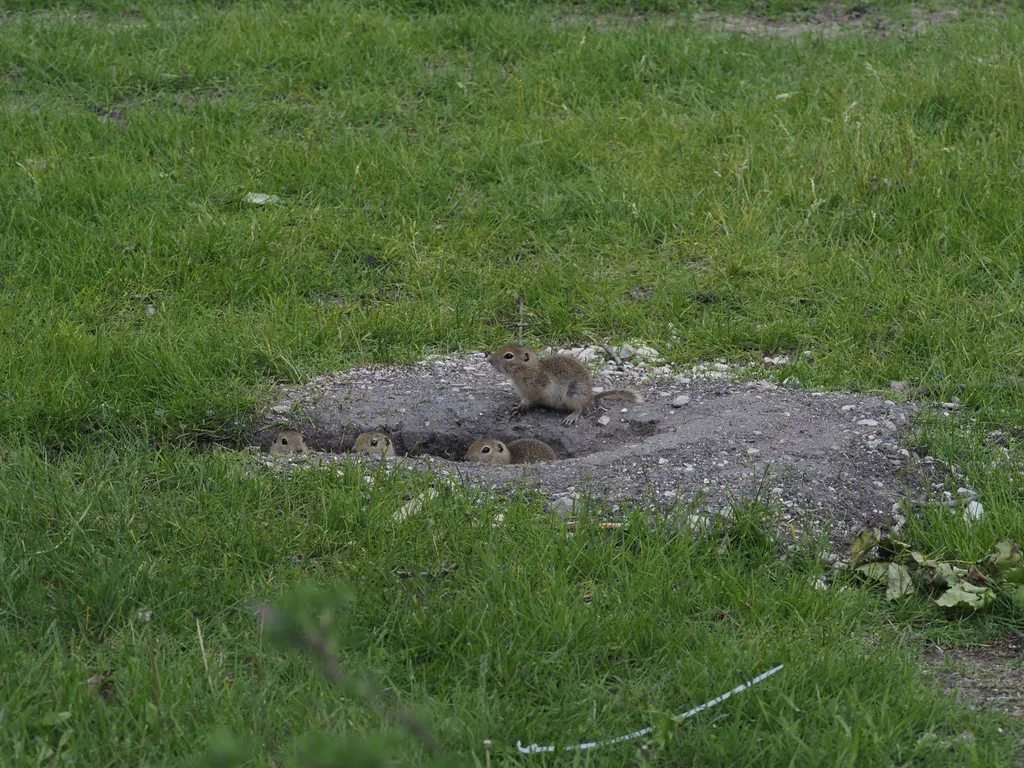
x=432, y=169
x=505, y=647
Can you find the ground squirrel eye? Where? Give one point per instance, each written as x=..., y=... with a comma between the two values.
x=509, y=355
x=284, y=441
x=485, y=449
x=374, y=441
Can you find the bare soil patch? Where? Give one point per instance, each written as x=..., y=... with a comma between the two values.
x=829, y=20
x=989, y=678
x=831, y=461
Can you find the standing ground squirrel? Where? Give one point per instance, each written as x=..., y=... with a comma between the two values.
x=374, y=444
x=523, y=451
x=288, y=443
x=559, y=382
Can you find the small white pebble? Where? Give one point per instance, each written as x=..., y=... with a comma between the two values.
x=604, y=420
x=867, y=423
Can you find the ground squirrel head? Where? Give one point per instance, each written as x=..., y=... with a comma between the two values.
x=508, y=360
x=374, y=444
x=489, y=452
x=288, y=443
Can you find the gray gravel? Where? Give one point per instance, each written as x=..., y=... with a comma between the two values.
x=830, y=461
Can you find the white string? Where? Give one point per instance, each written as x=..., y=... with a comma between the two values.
x=534, y=748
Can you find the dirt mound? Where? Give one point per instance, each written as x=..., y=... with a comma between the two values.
x=831, y=460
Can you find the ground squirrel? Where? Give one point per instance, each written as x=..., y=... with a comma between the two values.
x=559, y=382
x=288, y=443
x=374, y=444
x=522, y=451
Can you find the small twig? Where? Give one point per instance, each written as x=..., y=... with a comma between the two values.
x=614, y=356
x=316, y=644
x=536, y=748
x=521, y=324
x=156, y=678
x=572, y=524
x=202, y=647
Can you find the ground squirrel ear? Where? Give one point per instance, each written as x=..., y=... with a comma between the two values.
x=501, y=449
x=526, y=356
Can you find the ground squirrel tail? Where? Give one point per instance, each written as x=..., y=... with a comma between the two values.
x=627, y=395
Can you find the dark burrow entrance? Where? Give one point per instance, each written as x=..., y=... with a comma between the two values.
x=451, y=444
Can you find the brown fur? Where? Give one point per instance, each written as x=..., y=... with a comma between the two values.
x=526, y=450
x=559, y=382
x=374, y=444
x=288, y=443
